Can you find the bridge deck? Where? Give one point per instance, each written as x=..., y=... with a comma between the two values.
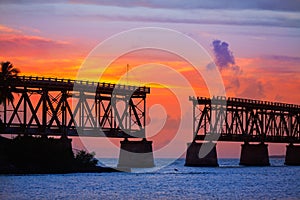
x=56, y=84
x=254, y=138
x=247, y=103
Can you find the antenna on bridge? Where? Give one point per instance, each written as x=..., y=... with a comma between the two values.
x=133, y=77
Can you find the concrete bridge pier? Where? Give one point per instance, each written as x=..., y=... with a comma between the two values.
x=292, y=156
x=254, y=154
x=195, y=158
x=136, y=154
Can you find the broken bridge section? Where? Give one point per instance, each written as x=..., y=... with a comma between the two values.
x=245, y=120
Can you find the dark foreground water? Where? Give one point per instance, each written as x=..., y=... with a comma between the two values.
x=229, y=181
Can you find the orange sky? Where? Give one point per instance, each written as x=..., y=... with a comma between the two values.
x=39, y=56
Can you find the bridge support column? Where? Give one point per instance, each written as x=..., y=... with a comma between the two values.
x=136, y=154
x=195, y=159
x=254, y=155
x=292, y=156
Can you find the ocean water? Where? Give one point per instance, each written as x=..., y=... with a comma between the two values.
x=229, y=181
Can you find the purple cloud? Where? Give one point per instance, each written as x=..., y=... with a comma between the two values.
x=223, y=56
x=224, y=59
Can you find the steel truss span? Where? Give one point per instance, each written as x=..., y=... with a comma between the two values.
x=51, y=106
x=245, y=120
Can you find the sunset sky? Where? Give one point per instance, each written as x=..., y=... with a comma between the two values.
x=53, y=39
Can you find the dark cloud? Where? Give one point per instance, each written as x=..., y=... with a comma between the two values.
x=282, y=58
x=287, y=5
x=246, y=20
x=151, y=12
x=225, y=60
x=276, y=5
x=31, y=1
x=223, y=56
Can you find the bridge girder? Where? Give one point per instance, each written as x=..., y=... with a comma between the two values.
x=47, y=106
x=245, y=120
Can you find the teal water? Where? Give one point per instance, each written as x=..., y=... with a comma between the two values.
x=229, y=181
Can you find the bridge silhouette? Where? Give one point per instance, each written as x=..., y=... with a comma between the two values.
x=53, y=107
x=44, y=107
x=245, y=120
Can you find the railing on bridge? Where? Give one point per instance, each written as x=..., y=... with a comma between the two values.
x=52, y=106
x=236, y=119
